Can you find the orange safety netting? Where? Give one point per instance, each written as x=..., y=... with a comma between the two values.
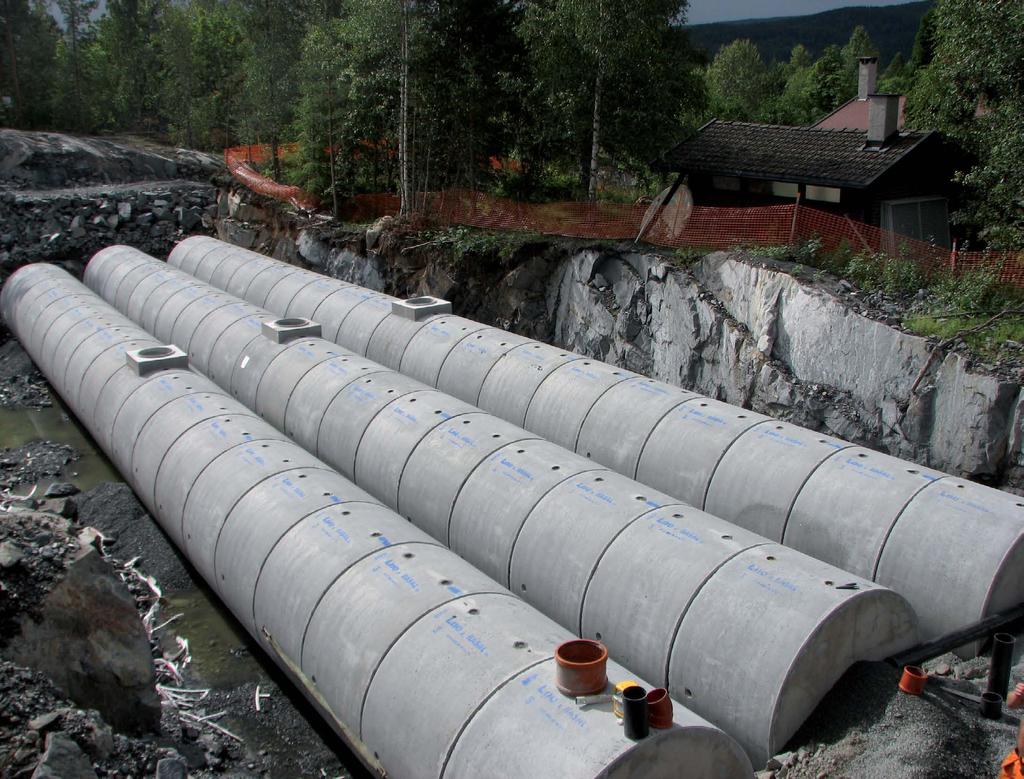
x=705, y=228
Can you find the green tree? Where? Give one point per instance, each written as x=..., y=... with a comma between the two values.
x=973, y=91
x=28, y=50
x=582, y=51
x=736, y=82
x=126, y=37
x=202, y=49
x=897, y=78
x=78, y=29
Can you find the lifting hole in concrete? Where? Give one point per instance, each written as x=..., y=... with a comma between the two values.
x=862, y=455
x=375, y=534
x=911, y=471
x=959, y=486
x=829, y=582
x=326, y=494
x=474, y=612
x=687, y=692
x=519, y=645
x=445, y=582
x=412, y=400
x=727, y=537
x=520, y=451
x=345, y=513
x=556, y=468
x=703, y=404
x=641, y=497
x=522, y=587
x=408, y=555
x=464, y=421
x=286, y=461
x=501, y=344
x=677, y=516
x=586, y=363
x=302, y=476
x=495, y=435
x=769, y=557
x=741, y=416
x=264, y=446
x=597, y=636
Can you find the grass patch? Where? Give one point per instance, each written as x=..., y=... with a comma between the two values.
x=986, y=344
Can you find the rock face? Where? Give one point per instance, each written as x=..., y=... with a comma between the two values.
x=48, y=160
x=733, y=326
x=90, y=642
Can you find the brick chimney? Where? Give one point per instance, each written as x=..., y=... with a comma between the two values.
x=883, y=118
x=868, y=77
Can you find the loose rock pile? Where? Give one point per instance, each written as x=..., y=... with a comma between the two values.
x=73, y=224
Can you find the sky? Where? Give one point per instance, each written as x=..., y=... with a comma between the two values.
x=702, y=11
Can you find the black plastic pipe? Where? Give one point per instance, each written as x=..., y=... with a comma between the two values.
x=634, y=713
x=999, y=667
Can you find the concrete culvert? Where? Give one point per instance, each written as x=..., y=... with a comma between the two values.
x=423, y=678
x=790, y=484
x=594, y=550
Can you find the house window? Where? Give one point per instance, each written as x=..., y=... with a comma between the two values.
x=922, y=218
x=785, y=189
x=728, y=183
x=825, y=194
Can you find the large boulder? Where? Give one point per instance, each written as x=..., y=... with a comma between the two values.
x=90, y=641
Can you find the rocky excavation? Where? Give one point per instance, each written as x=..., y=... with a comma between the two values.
x=737, y=327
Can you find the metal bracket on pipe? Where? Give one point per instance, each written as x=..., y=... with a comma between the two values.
x=156, y=358
x=420, y=308
x=288, y=329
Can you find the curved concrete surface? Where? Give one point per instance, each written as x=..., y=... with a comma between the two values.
x=410, y=652
x=785, y=482
x=574, y=539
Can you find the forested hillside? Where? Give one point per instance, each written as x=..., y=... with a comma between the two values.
x=539, y=100
x=892, y=28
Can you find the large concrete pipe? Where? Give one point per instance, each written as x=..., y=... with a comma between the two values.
x=425, y=665
x=677, y=594
x=902, y=525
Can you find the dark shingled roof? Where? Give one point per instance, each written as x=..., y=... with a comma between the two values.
x=811, y=155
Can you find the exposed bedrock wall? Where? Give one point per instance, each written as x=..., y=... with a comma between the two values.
x=885, y=519
x=427, y=666
x=674, y=592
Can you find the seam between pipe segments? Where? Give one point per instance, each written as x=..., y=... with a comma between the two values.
x=187, y=306
x=433, y=382
x=199, y=324
x=650, y=432
x=274, y=270
x=476, y=710
x=144, y=307
x=416, y=332
x=82, y=302
x=227, y=283
x=286, y=274
x=329, y=291
x=406, y=629
x=158, y=409
x=259, y=383
x=320, y=305
x=55, y=285
x=342, y=572
x=256, y=267
x=178, y=437
x=487, y=373
x=155, y=327
x=597, y=563
x=284, y=311
x=295, y=386
x=227, y=514
x=540, y=384
x=697, y=591
x=800, y=489
x=188, y=492
x=327, y=406
x=529, y=513
x=437, y=379
x=405, y=463
x=75, y=315
x=123, y=346
x=362, y=433
x=344, y=319
x=205, y=257
x=168, y=274
x=259, y=272
x=97, y=327
x=605, y=391
x=131, y=453
x=193, y=249
x=896, y=519
x=711, y=476
x=373, y=332
x=136, y=263
x=205, y=369
x=462, y=484
x=295, y=524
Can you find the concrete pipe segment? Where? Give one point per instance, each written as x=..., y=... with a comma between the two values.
x=745, y=632
x=954, y=548
x=425, y=665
